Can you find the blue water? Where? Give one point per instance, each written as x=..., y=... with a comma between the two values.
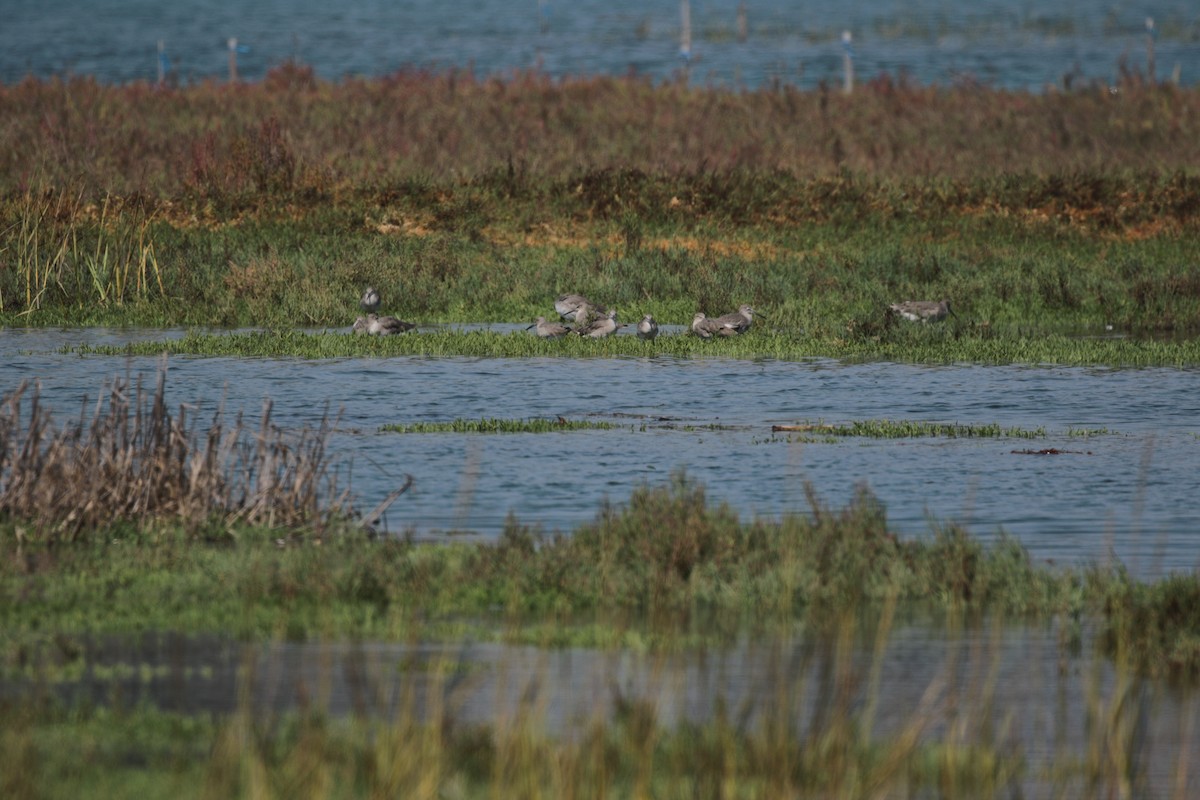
x=1132, y=492
x=1014, y=44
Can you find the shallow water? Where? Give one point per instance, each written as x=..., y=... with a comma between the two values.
x=1133, y=492
x=1007, y=43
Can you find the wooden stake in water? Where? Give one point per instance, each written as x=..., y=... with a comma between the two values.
x=1150, y=33
x=847, y=63
x=743, y=27
x=685, y=34
x=233, y=48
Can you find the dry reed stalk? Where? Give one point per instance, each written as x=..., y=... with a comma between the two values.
x=132, y=461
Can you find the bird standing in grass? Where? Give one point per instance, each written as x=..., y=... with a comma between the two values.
x=706, y=328
x=549, y=330
x=924, y=310
x=369, y=302
x=740, y=320
x=601, y=327
x=386, y=326
x=647, y=329
x=568, y=306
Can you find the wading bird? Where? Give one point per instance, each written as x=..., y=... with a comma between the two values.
x=706, y=328
x=601, y=327
x=647, y=329
x=369, y=302
x=549, y=330
x=386, y=326
x=739, y=320
x=924, y=310
x=568, y=305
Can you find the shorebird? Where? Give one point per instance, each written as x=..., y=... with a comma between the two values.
x=369, y=302
x=386, y=326
x=647, y=329
x=549, y=330
x=739, y=320
x=601, y=327
x=924, y=310
x=361, y=325
x=568, y=305
x=705, y=328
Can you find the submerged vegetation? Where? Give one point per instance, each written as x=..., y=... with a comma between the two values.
x=491, y=425
x=904, y=429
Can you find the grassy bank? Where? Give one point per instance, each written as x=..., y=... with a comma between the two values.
x=667, y=570
x=822, y=256
x=274, y=204
x=667, y=565
x=906, y=344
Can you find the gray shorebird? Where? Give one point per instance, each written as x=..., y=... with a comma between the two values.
x=601, y=327
x=549, y=330
x=361, y=325
x=386, y=326
x=706, y=328
x=647, y=329
x=369, y=302
x=739, y=321
x=924, y=310
x=568, y=305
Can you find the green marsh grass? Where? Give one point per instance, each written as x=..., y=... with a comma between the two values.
x=921, y=346
x=273, y=204
x=668, y=557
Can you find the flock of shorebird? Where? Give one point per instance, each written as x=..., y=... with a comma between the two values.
x=596, y=322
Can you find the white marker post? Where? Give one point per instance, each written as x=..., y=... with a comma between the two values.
x=685, y=34
x=1150, y=34
x=847, y=63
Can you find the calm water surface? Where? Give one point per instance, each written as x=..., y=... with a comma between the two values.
x=1007, y=43
x=1132, y=492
